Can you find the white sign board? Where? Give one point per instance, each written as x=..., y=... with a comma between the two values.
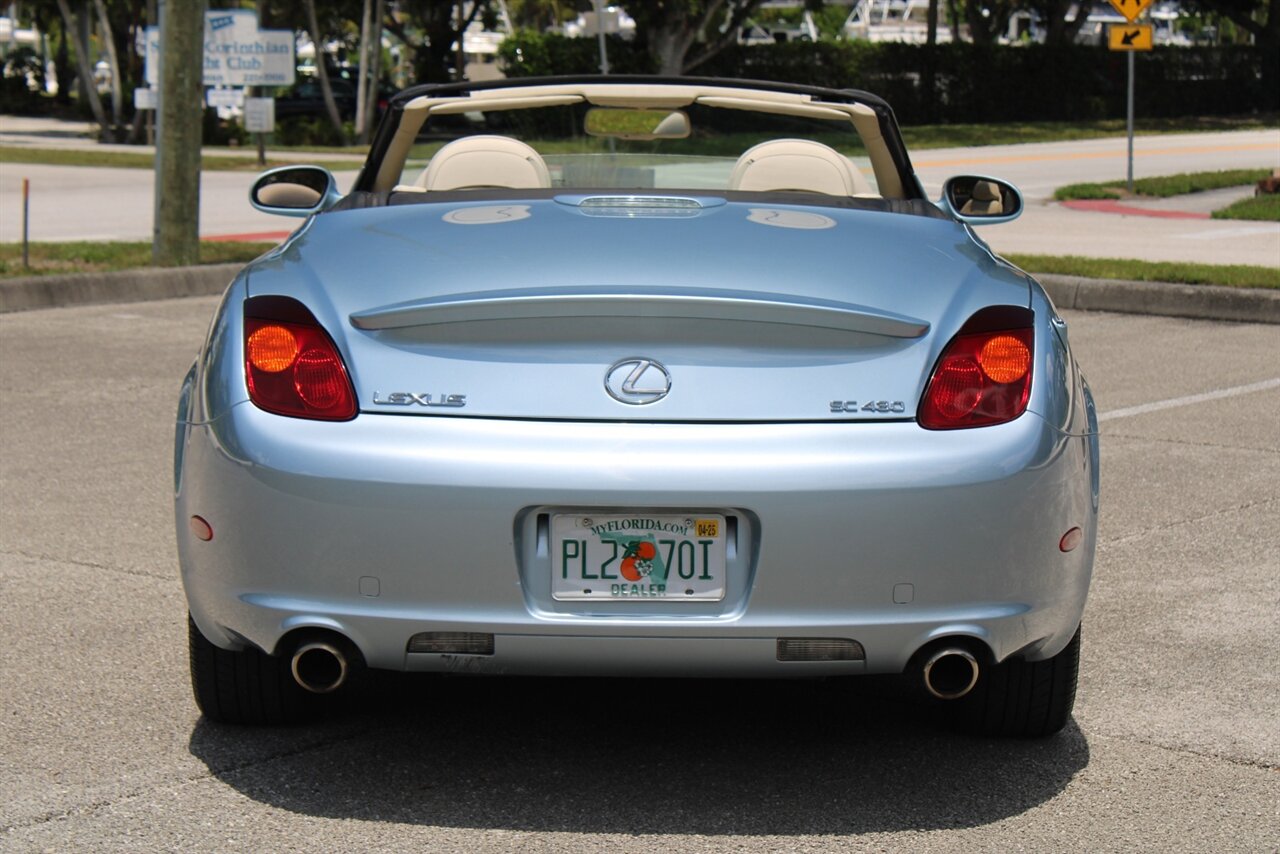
x=236, y=52
x=260, y=115
x=224, y=97
x=145, y=99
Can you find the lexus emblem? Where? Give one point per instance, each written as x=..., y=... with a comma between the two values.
x=637, y=381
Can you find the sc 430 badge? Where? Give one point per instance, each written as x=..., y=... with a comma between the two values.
x=408, y=398
x=878, y=407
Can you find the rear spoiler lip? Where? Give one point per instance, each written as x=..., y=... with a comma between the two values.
x=687, y=303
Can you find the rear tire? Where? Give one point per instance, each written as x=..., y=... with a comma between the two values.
x=1024, y=699
x=243, y=686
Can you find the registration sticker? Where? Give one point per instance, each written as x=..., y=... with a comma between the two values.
x=638, y=557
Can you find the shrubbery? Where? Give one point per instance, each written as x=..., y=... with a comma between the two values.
x=21, y=81
x=972, y=84
x=310, y=130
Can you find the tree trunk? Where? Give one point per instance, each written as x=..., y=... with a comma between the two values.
x=45, y=26
x=668, y=46
x=1266, y=38
x=71, y=27
x=113, y=61
x=177, y=187
x=1060, y=30
x=375, y=71
x=953, y=14
x=929, y=78
x=322, y=72
x=460, y=58
x=366, y=24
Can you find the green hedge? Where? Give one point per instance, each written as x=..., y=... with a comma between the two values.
x=972, y=84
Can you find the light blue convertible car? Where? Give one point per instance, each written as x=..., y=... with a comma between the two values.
x=637, y=376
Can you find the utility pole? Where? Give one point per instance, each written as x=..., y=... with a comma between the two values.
x=177, y=192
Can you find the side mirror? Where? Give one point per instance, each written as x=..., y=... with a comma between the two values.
x=294, y=190
x=979, y=200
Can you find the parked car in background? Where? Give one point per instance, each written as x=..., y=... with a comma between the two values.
x=306, y=98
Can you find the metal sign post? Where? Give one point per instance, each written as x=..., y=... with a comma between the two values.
x=1129, y=123
x=154, y=73
x=1130, y=38
x=604, y=52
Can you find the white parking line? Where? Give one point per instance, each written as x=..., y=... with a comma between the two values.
x=1144, y=408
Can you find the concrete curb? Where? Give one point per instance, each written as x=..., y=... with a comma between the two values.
x=1202, y=302
x=33, y=292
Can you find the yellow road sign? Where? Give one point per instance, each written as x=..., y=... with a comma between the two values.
x=1129, y=36
x=1131, y=9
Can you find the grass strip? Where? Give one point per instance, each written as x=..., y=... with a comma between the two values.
x=1229, y=275
x=94, y=257
x=1164, y=186
x=1012, y=133
x=1264, y=208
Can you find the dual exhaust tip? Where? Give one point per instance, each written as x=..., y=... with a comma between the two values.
x=950, y=673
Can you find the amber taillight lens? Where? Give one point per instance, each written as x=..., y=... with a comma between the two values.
x=983, y=377
x=291, y=365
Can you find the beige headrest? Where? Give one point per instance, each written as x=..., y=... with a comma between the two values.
x=485, y=161
x=986, y=191
x=797, y=164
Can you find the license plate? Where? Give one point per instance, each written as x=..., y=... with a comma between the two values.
x=638, y=557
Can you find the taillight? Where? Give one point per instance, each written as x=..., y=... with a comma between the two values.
x=984, y=375
x=291, y=365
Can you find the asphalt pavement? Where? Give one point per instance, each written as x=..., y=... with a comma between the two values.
x=1174, y=745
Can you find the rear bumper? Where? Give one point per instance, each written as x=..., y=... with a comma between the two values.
x=388, y=526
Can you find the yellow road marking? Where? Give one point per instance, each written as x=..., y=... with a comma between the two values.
x=1094, y=155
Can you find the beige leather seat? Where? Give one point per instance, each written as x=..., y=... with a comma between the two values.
x=798, y=164
x=985, y=201
x=485, y=161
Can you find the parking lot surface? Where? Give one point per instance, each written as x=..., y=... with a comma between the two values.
x=1175, y=742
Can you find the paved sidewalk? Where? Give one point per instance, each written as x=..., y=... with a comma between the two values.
x=1054, y=229
x=1188, y=206
x=45, y=132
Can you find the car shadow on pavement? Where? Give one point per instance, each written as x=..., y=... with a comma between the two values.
x=642, y=757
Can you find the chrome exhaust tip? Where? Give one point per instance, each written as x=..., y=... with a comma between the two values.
x=950, y=673
x=320, y=667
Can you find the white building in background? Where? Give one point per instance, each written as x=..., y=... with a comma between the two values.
x=1025, y=25
x=777, y=33
x=892, y=21
x=13, y=35
x=905, y=21
x=614, y=20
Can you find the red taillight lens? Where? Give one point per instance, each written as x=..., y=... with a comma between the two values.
x=291, y=365
x=984, y=375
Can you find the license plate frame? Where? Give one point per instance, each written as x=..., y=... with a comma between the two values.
x=639, y=557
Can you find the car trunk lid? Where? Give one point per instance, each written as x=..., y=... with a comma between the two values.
x=710, y=311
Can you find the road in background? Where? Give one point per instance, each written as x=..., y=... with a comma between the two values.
x=1052, y=229
x=98, y=203
x=83, y=203
x=1174, y=744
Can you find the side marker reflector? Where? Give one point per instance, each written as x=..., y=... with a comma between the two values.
x=1070, y=540
x=202, y=529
